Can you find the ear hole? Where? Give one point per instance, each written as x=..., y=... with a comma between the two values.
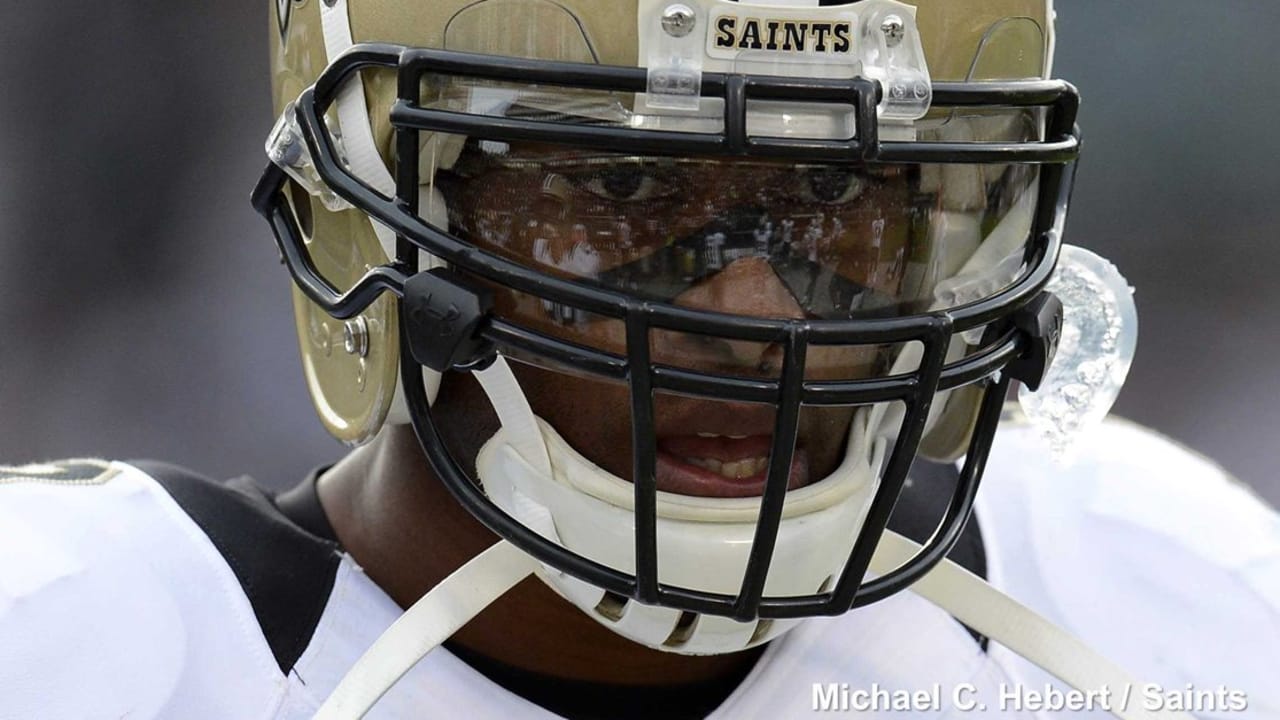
x=611, y=606
x=301, y=202
x=683, y=630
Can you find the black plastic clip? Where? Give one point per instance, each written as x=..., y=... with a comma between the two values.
x=443, y=312
x=1040, y=322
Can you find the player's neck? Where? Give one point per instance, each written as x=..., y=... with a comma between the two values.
x=408, y=533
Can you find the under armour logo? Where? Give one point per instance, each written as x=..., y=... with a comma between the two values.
x=440, y=319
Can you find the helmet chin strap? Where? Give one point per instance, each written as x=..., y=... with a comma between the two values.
x=422, y=628
x=966, y=597
x=515, y=415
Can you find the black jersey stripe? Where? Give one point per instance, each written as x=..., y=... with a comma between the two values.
x=286, y=572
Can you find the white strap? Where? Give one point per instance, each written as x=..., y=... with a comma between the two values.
x=965, y=596
x=353, y=118
x=366, y=163
x=515, y=414
x=971, y=600
x=437, y=615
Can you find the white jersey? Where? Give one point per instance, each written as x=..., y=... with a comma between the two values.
x=115, y=601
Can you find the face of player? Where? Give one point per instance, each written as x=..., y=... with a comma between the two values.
x=762, y=239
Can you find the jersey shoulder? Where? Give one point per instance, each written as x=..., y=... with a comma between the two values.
x=1150, y=552
x=135, y=590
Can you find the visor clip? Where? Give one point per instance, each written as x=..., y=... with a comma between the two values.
x=1040, y=324
x=443, y=313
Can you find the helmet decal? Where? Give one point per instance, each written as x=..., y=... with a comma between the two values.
x=284, y=10
x=777, y=35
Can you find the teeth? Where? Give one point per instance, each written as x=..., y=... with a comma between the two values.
x=717, y=435
x=737, y=469
x=705, y=463
x=745, y=468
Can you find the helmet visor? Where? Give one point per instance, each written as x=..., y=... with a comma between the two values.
x=766, y=238
x=839, y=239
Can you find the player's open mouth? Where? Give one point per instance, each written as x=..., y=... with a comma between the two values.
x=707, y=465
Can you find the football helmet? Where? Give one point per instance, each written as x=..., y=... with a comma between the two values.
x=792, y=245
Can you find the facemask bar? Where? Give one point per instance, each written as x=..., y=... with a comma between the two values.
x=460, y=333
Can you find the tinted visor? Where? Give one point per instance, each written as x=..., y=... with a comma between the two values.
x=840, y=239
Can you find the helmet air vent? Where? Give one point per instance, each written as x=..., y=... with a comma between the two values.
x=683, y=630
x=611, y=606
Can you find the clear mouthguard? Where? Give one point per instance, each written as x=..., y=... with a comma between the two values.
x=1099, y=336
x=287, y=149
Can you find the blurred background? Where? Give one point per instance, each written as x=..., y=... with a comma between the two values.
x=143, y=313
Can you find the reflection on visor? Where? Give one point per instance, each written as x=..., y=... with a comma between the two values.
x=673, y=269
x=840, y=239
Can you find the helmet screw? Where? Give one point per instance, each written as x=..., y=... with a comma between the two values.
x=678, y=20
x=355, y=337
x=893, y=29
x=330, y=3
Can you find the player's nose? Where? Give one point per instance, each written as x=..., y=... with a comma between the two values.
x=747, y=286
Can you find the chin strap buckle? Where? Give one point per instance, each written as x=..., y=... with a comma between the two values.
x=443, y=312
x=1040, y=322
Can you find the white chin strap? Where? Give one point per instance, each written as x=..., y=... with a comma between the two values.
x=965, y=596
x=477, y=584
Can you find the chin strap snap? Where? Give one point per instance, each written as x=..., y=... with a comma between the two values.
x=443, y=312
x=1040, y=322
x=966, y=597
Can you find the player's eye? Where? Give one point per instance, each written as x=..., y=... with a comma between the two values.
x=626, y=184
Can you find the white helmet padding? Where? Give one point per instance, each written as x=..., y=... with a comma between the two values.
x=703, y=543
